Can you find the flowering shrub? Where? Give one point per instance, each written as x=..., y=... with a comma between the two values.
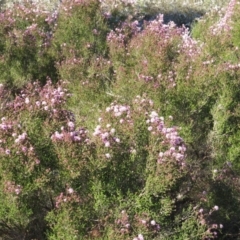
x=131, y=144
x=25, y=40
x=118, y=127
x=137, y=154
x=79, y=40
x=25, y=148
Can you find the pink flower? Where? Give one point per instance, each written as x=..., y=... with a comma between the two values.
x=18, y=189
x=150, y=128
x=70, y=190
x=37, y=161
x=161, y=154
x=7, y=151
x=27, y=100
x=216, y=208
x=153, y=223
x=113, y=130
x=140, y=237
x=127, y=225
x=71, y=125
x=57, y=135
x=105, y=135
x=97, y=130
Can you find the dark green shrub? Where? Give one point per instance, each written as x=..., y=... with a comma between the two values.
x=25, y=40
x=79, y=39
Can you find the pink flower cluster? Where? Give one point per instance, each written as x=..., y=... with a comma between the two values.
x=116, y=37
x=11, y=187
x=123, y=222
x=121, y=35
x=36, y=98
x=171, y=141
x=71, y=134
x=225, y=22
x=166, y=31
x=175, y=147
x=107, y=135
x=189, y=46
x=6, y=125
x=119, y=110
x=139, y=237
x=37, y=21
x=18, y=145
x=231, y=66
x=51, y=97
x=213, y=228
x=52, y=18
x=20, y=138
x=69, y=196
x=172, y=145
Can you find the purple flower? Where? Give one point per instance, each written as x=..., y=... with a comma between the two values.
x=7, y=151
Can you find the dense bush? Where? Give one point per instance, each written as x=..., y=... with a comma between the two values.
x=118, y=126
x=25, y=36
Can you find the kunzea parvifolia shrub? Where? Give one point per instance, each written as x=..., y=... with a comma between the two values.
x=59, y=174
x=25, y=36
x=143, y=56
x=28, y=159
x=79, y=42
x=220, y=81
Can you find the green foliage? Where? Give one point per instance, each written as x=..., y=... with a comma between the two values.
x=191, y=228
x=79, y=45
x=140, y=140
x=79, y=39
x=25, y=36
x=14, y=216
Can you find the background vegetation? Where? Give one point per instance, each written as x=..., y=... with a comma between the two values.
x=120, y=121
